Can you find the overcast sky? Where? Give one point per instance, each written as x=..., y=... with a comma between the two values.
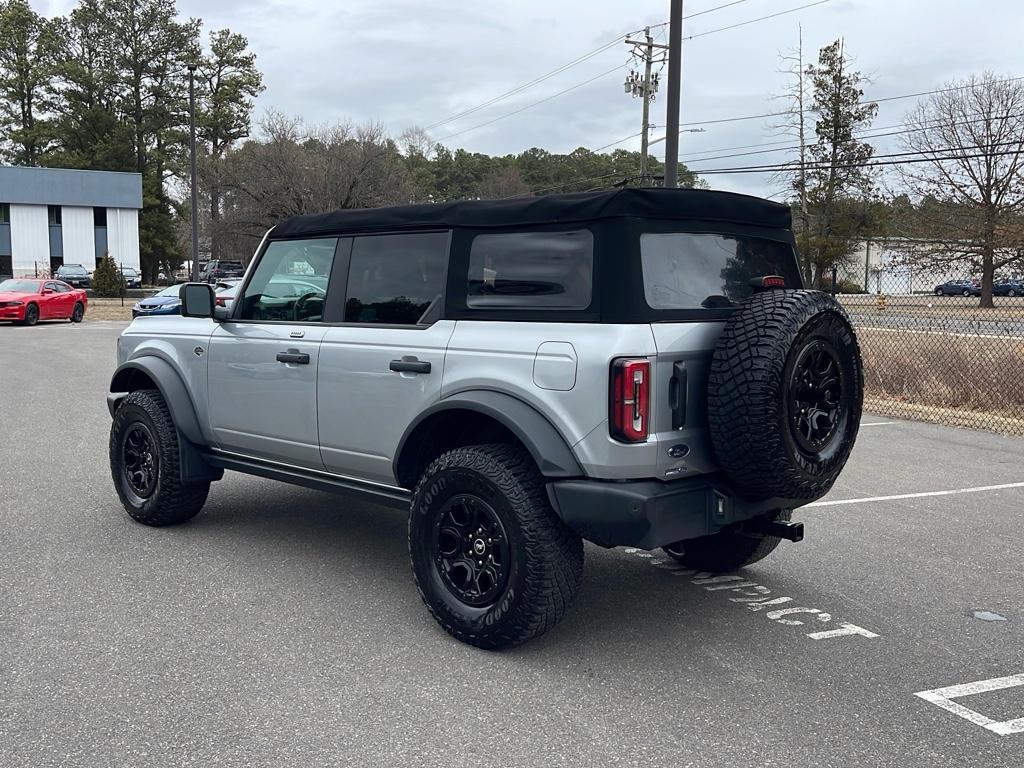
x=418, y=62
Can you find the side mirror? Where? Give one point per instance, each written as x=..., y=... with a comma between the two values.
x=48, y=290
x=196, y=300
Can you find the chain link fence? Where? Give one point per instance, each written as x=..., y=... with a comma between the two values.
x=931, y=353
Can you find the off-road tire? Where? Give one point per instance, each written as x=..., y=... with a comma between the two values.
x=31, y=315
x=754, y=384
x=78, y=313
x=171, y=501
x=545, y=557
x=726, y=550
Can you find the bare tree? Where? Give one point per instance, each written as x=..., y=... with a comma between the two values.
x=794, y=125
x=292, y=170
x=971, y=185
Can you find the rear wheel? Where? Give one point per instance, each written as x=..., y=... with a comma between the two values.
x=144, y=463
x=967, y=293
x=1011, y=293
x=78, y=313
x=493, y=563
x=725, y=550
x=938, y=291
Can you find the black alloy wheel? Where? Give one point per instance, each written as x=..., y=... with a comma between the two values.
x=78, y=313
x=140, y=462
x=471, y=550
x=31, y=314
x=816, y=403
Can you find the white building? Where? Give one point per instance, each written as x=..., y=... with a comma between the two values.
x=55, y=216
x=882, y=266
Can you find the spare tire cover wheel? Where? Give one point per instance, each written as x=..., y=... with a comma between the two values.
x=786, y=389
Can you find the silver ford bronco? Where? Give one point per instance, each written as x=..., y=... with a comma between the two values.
x=639, y=368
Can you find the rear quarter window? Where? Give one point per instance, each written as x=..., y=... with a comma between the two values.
x=709, y=271
x=531, y=270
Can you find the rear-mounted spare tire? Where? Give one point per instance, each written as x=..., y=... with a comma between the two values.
x=785, y=393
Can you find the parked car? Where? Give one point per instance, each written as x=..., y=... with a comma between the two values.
x=225, y=292
x=74, y=275
x=132, y=277
x=219, y=269
x=165, y=302
x=637, y=367
x=1008, y=288
x=27, y=301
x=959, y=288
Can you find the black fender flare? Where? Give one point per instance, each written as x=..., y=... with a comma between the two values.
x=545, y=444
x=172, y=389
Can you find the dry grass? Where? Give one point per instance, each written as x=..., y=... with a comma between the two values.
x=958, y=380
x=109, y=309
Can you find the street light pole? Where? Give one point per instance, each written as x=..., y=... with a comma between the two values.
x=675, y=45
x=192, y=151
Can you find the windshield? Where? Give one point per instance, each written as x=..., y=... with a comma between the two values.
x=71, y=270
x=692, y=271
x=170, y=291
x=20, y=286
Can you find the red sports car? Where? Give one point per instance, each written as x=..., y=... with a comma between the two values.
x=27, y=301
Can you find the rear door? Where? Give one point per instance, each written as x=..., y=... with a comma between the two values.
x=263, y=362
x=695, y=280
x=383, y=364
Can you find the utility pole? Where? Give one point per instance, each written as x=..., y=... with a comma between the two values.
x=645, y=87
x=192, y=151
x=675, y=78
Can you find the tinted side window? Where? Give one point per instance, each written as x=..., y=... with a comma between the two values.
x=290, y=282
x=531, y=270
x=394, y=279
x=693, y=271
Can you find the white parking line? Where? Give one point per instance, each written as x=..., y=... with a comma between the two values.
x=943, y=697
x=925, y=494
x=877, y=423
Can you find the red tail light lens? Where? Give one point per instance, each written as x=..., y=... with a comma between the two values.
x=220, y=301
x=630, y=399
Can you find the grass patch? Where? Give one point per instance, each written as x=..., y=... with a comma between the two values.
x=957, y=380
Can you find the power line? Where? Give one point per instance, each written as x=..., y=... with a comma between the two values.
x=882, y=161
x=536, y=81
x=791, y=112
x=569, y=65
x=754, y=21
x=535, y=103
x=935, y=123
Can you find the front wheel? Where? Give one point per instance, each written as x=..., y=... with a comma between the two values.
x=492, y=561
x=967, y=293
x=1011, y=293
x=31, y=315
x=938, y=291
x=144, y=463
x=725, y=550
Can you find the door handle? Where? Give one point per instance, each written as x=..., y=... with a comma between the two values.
x=293, y=356
x=410, y=365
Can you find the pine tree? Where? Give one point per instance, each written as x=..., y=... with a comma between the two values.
x=107, y=280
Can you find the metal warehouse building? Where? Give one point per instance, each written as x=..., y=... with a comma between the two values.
x=55, y=216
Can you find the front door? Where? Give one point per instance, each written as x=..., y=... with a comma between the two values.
x=383, y=366
x=263, y=362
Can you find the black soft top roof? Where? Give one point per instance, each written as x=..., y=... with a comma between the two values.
x=684, y=204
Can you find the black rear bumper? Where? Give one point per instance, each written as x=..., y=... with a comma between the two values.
x=649, y=513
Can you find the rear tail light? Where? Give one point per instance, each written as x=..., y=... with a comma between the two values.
x=220, y=301
x=629, y=399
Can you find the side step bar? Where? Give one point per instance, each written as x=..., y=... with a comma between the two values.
x=397, y=498
x=783, y=529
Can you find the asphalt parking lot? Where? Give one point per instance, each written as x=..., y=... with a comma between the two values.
x=281, y=627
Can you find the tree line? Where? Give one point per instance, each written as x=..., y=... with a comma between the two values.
x=105, y=87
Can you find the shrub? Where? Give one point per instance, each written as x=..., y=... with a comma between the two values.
x=107, y=279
